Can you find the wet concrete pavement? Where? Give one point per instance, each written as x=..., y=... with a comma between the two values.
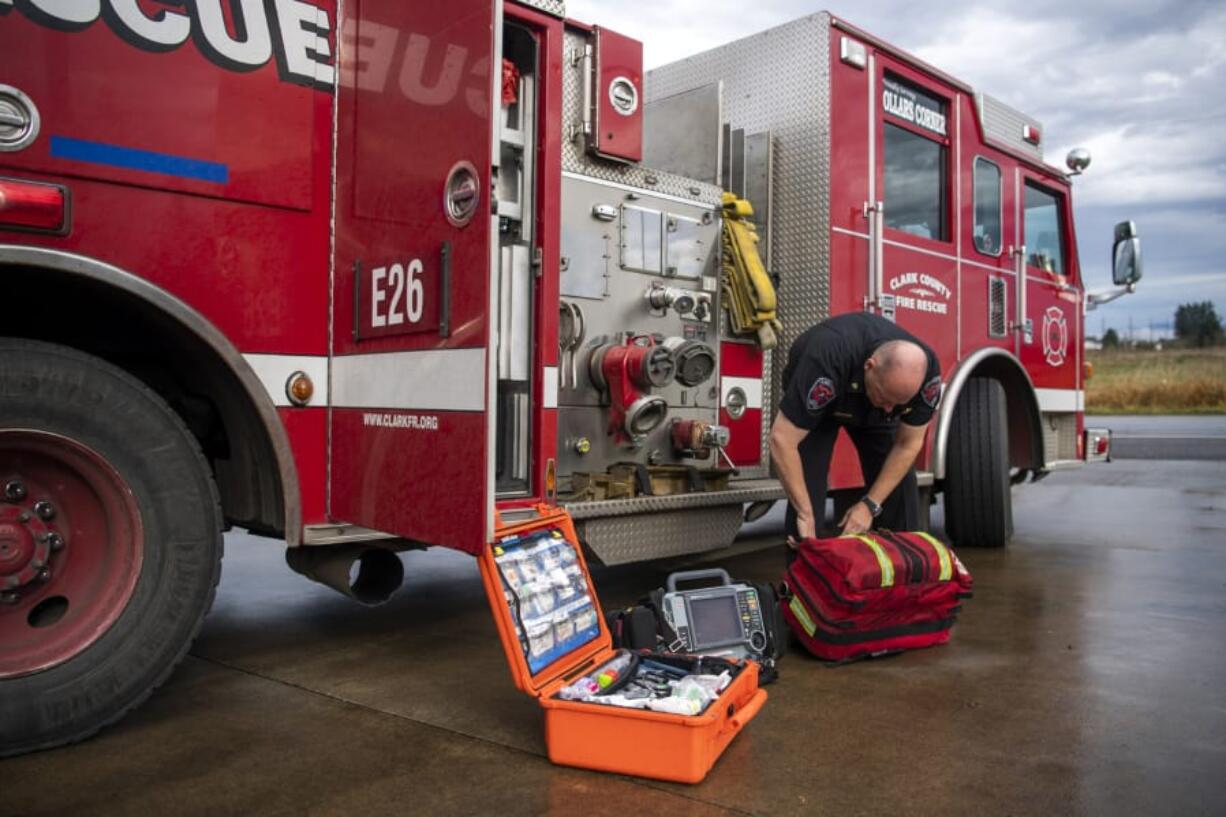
x=1087, y=676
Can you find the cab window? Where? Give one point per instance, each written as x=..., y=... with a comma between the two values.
x=1043, y=236
x=915, y=159
x=987, y=207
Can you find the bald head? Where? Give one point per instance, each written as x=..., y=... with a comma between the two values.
x=895, y=373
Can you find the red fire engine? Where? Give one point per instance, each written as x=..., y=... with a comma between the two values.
x=379, y=277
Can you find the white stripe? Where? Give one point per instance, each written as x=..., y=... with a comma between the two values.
x=274, y=370
x=438, y=379
x=549, y=385
x=1061, y=399
x=752, y=386
x=1050, y=280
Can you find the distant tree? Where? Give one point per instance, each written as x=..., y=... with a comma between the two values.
x=1198, y=324
x=1111, y=339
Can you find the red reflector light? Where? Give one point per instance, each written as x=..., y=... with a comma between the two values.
x=1031, y=134
x=33, y=206
x=1100, y=447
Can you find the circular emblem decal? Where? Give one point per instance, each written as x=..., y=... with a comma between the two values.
x=1055, y=336
x=820, y=394
x=931, y=393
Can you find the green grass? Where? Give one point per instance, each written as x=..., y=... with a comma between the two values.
x=1171, y=381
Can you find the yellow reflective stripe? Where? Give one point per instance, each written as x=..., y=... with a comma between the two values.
x=947, y=568
x=802, y=615
x=887, y=567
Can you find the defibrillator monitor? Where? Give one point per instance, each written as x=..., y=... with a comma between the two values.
x=715, y=618
x=723, y=620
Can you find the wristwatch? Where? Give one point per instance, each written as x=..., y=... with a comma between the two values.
x=873, y=507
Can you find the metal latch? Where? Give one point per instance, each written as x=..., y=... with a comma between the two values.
x=19, y=120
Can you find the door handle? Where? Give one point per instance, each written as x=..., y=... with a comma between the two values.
x=1022, y=324
x=876, y=298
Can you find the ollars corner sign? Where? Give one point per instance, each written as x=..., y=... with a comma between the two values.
x=293, y=33
x=913, y=106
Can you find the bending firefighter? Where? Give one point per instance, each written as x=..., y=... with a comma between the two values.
x=861, y=373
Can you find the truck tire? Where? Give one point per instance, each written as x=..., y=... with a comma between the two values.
x=110, y=543
x=978, y=501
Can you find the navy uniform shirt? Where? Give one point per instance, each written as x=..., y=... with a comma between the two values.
x=824, y=376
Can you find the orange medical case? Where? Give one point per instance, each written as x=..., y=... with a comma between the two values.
x=639, y=742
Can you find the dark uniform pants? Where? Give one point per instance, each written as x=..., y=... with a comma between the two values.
x=900, y=511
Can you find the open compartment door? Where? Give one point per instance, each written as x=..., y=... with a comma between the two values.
x=410, y=420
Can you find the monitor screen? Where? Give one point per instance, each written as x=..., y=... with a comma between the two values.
x=715, y=619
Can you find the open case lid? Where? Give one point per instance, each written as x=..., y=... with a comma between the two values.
x=545, y=606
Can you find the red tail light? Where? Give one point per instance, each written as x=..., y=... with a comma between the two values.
x=33, y=206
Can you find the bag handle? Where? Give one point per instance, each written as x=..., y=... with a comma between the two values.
x=694, y=575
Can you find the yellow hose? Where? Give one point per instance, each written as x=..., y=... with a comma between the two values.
x=748, y=291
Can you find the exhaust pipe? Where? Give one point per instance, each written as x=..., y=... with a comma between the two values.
x=364, y=573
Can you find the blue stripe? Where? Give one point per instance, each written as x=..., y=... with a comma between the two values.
x=102, y=154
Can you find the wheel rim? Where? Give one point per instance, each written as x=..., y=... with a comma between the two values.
x=71, y=545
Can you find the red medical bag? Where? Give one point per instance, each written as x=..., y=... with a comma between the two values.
x=868, y=594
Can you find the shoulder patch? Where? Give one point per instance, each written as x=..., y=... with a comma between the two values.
x=820, y=394
x=931, y=393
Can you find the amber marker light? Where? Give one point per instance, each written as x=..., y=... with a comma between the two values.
x=1088, y=370
x=299, y=388
x=551, y=481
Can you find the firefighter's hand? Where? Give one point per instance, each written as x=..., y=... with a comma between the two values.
x=858, y=519
x=806, y=526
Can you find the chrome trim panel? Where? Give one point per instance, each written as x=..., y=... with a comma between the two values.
x=750, y=490
x=626, y=539
x=554, y=8
x=779, y=81
x=341, y=533
x=198, y=325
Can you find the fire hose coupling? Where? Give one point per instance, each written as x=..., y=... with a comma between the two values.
x=660, y=298
x=696, y=438
x=694, y=360
x=639, y=362
x=627, y=372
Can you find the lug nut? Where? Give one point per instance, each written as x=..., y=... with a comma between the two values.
x=44, y=575
x=14, y=490
x=55, y=541
x=45, y=510
x=24, y=516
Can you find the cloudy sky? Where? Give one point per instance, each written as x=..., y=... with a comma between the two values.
x=1142, y=84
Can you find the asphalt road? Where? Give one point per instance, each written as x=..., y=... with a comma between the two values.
x=1181, y=437
x=1085, y=677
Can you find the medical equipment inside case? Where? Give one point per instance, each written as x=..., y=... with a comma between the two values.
x=662, y=716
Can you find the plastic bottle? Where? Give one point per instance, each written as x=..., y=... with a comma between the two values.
x=612, y=670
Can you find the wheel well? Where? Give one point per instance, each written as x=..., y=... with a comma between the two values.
x=116, y=324
x=1022, y=407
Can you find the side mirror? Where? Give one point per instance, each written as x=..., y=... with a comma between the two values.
x=1078, y=160
x=1126, y=255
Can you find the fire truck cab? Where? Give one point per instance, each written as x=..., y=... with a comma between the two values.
x=381, y=275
